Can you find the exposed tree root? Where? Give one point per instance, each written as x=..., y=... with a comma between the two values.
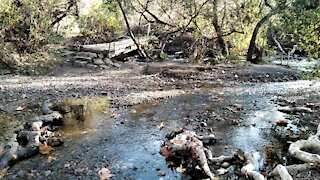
x=186, y=144
x=295, y=149
x=295, y=169
x=248, y=171
x=282, y=171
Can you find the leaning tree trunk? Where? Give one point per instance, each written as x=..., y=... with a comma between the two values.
x=140, y=50
x=252, y=45
x=221, y=42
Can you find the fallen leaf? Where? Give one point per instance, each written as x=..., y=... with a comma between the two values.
x=45, y=149
x=51, y=158
x=161, y=125
x=105, y=174
x=5, y=171
x=222, y=171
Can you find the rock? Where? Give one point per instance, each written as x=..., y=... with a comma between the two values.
x=108, y=61
x=98, y=62
x=80, y=63
x=104, y=67
x=204, y=124
x=161, y=174
x=92, y=66
x=117, y=65
x=100, y=56
x=87, y=54
x=47, y=173
x=82, y=58
x=225, y=165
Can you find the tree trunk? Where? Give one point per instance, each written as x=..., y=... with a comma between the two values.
x=140, y=50
x=252, y=45
x=223, y=45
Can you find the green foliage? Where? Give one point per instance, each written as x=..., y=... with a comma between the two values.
x=164, y=56
x=25, y=23
x=301, y=24
x=103, y=22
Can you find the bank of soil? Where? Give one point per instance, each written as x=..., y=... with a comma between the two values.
x=126, y=137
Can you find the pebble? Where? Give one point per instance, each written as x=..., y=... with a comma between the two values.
x=47, y=173
x=225, y=165
x=161, y=174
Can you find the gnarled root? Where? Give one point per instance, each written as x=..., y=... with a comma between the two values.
x=295, y=169
x=248, y=171
x=312, y=142
x=187, y=144
x=282, y=171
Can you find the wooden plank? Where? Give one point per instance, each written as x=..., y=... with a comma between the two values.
x=117, y=46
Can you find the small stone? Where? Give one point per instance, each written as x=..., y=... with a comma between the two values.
x=47, y=173
x=98, y=62
x=92, y=66
x=80, y=63
x=108, y=61
x=225, y=165
x=87, y=54
x=103, y=66
x=101, y=56
x=81, y=58
x=204, y=124
x=161, y=173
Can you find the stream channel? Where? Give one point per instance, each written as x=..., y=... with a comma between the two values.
x=128, y=142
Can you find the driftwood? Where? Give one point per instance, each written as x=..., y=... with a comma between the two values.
x=248, y=171
x=295, y=149
x=296, y=168
x=290, y=110
x=282, y=171
x=188, y=144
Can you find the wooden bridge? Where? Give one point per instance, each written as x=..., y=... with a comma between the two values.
x=116, y=48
